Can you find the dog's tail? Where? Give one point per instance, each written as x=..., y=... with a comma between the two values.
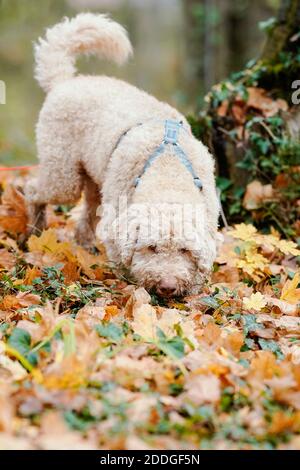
x=87, y=33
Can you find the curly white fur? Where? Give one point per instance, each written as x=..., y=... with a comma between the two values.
x=79, y=126
x=86, y=34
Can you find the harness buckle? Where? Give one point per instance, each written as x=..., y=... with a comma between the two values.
x=172, y=129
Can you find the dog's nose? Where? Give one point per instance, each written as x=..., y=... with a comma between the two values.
x=167, y=287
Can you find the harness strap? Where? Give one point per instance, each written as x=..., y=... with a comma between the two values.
x=171, y=136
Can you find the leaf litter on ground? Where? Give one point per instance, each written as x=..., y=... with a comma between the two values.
x=88, y=360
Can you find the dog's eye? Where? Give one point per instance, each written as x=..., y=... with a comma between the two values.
x=152, y=248
x=183, y=251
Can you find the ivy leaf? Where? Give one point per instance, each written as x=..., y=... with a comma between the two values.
x=210, y=301
x=249, y=344
x=21, y=340
x=110, y=331
x=271, y=345
x=173, y=347
x=250, y=324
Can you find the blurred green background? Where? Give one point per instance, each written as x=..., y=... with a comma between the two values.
x=182, y=47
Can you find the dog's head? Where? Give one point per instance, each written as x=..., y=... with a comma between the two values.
x=167, y=236
x=168, y=248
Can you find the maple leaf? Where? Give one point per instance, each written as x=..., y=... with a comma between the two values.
x=147, y=325
x=13, y=214
x=288, y=247
x=244, y=232
x=284, y=307
x=31, y=274
x=91, y=265
x=70, y=272
x=290, y=293
x=47, y=243
x=256, y=194
x=253, y=263
x=255, y=302
x=22, y=299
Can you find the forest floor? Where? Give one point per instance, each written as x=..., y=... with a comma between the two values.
x=89, y=361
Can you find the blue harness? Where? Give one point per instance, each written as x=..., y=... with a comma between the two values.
x=172, y=129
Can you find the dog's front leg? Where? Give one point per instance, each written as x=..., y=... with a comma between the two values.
x=36, y=210
x=88, y=220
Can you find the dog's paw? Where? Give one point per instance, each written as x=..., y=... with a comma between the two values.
x=85, y=237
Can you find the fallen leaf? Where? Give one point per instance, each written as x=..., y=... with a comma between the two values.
x=203, y=389
x=7, y=259
x=13, y=214
x=47, y=243
x=290, y=293
x=255, y=302
x=257, y=194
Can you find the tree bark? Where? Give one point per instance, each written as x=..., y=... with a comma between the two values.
x=287, y=24
x=284, y=38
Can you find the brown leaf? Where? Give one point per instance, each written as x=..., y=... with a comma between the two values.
x=70, y=272
x=203, y=389
x=48, y=243
x=7, y=259
x=223, y=108
x=259, y=100
x=91, y=265
x=13, y=214
x=282, y=422
x=234, y=341
x=211, y=334
x=256, y=194
x=239, y=112
x=21, y=300
x=31, y=274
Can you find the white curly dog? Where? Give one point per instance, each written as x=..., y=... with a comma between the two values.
x=148, y=184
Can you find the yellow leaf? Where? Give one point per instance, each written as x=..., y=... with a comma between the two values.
x=47, y=243
x=145, y=322
x=255, y=302
x=253, y=264
x=288, y=247
x=91, y=265
x=69, y=373
x=290, y=293
x=244, y=232
x=111, y=311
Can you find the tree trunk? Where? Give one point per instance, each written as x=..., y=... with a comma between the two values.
x=219, y=38
x=287, y=24
x=282, y=45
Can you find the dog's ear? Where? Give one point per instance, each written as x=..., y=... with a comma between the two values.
x=203, y=251
x=127, y=248
x=128, y=236
x=119, y=235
